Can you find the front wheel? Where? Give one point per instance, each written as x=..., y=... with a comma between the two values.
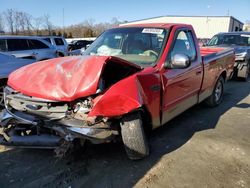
x=133, y=137
x=216, y=97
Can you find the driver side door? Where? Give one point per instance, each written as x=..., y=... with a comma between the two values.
x=181, y=86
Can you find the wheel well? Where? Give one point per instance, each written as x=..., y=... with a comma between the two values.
x=147, y=120
x=145, y=117
x=60, y=54
x=224, y=75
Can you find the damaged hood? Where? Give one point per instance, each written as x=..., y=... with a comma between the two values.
x=62, y=79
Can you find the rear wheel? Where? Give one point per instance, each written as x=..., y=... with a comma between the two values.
x=133, y=137
x=59, y=54
x=216, y=97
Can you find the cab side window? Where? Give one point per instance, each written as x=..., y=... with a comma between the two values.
x=17, y=44
x=47, y=39
x=36, y=44
x=184, y=44
x=58, y=41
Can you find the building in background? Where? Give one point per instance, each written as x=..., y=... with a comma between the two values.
x=205, y=26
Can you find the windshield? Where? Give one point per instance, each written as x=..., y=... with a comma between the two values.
x=141, y=46
x=234, y=39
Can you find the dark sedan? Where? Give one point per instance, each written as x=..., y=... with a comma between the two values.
x=240, y=41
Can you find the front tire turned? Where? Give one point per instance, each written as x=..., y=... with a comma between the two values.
x=133, y=137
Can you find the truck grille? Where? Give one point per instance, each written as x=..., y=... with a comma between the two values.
x=35, y=106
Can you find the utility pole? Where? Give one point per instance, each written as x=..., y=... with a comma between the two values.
x=63, y=22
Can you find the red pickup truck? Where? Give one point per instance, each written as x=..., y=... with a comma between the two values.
x=131, y=79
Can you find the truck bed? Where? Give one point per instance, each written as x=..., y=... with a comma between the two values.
x=210, y=54
x=209, y=50
x=215, y=60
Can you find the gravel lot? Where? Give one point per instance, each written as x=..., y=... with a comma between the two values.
x=203, y=147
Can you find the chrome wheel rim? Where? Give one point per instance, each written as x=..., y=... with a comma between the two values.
x=218, y=91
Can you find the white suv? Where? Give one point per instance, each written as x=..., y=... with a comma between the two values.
x=59, y=43
x=24, y=46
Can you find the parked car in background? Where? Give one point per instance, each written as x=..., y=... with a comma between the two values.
x=59, y=43
x=29, y=46
x=8, y=64
x=78, y=51
x=203, y=41
x=79, y=44
x=240, y=41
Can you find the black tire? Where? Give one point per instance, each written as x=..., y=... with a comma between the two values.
x=133, y=137
x=217, y=95
x=60, y=54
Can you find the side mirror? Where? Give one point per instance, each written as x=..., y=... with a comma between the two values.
x=178, y=61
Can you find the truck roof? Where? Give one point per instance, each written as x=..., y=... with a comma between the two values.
x=159, y=25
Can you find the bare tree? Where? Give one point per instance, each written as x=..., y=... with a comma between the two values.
x=22, y=23
x=38, y=24
x=1, y=24
x=115, y=21
x=47, y=23
x=9, y=17
x=28, y=23
x=17, y=21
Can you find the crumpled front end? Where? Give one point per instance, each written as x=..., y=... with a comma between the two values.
x=47, y=122
x=34, y=122
x=54, y=99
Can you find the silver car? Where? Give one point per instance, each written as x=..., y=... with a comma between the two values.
x=33, y=47
x=8, y=64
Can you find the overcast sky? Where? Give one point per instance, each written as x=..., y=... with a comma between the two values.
x=76, y=11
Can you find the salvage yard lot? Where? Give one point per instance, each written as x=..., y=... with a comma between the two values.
x=203, y=147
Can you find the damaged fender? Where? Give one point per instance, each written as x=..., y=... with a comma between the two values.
x=143, y=91
x=119, y=99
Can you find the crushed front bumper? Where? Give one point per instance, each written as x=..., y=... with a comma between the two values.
x=66, y=127
x=48, y=132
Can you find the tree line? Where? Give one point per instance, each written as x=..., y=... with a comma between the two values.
x=14, y=22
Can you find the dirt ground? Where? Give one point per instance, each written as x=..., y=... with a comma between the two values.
x=203, y=147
